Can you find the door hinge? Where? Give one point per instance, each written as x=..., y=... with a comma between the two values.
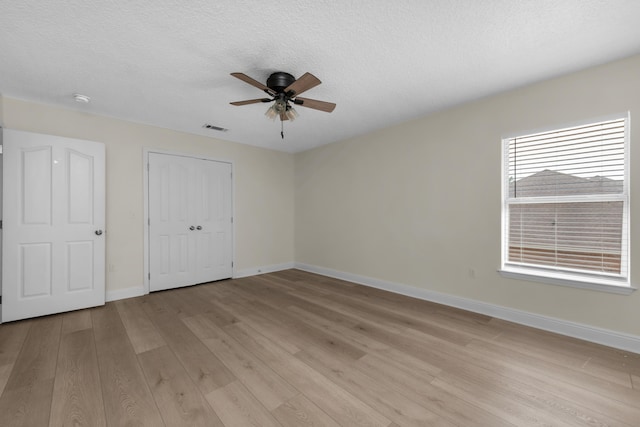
x=0, y=224
x=149, y=276
x=231, y=264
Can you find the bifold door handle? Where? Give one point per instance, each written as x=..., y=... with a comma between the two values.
x=199, y=227
x=98, y=232
x=192, y=228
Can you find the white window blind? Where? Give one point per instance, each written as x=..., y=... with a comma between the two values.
x=566, y=201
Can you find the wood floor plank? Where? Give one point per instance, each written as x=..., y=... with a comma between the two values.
x=204, y=368
x=394, y=315
x=300, y=412
x=428, y=349
x=580, y=387
x=578, y=370
x=140, y=329
x=282, y=286
x=217, y=313
x=34, y=361
x=614, y=358
x=5, y=371
x=452, y=358
x=266, y=292
x=417, y=385
x=12, y=336
x=177, y=397
x=393, y=405
x=362, y=342
x=349, y=311
x=127, y=397
x=527, y=395
x=305, y=304
x=26, y=400
x=77, y=393
x=236, y=406
x=608, y=372
x=548, y=352
x=198, y=300
x=306, y=335
x=75, y=321
x=27, y=406
x=493, y=397
x=266, y=385
x=226, y=292
x=264, y=326
x=339, y=404
x=635, y=381
x=623, y=361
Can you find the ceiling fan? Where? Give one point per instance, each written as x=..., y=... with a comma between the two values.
x=284, y=89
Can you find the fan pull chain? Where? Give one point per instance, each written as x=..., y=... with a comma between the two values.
x=282, y=128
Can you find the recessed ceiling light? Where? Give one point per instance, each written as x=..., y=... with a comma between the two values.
x=83, y=99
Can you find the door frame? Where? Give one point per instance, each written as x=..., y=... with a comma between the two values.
x=145, y=172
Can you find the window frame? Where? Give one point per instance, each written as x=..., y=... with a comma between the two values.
x=565, y=277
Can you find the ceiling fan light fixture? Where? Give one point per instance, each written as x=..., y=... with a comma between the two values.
x=278, y=107
x=291, y=113
x=271, y=113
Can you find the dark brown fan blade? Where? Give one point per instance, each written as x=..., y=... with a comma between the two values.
x=251, y=101
x=315, y=104
x=253, y=82
x=304, y=83
x=283, y=116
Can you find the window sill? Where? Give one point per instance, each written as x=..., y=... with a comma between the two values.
x=578, y=282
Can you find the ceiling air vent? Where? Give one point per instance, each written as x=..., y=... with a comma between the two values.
x=212, y=127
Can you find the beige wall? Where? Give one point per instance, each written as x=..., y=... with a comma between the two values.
x=263, y=199
x=420, y=203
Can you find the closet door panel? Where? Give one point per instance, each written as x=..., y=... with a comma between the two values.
x=172, y=244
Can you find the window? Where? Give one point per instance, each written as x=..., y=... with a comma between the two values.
x=566, y=205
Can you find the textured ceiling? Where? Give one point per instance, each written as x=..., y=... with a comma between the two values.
x=167, y=63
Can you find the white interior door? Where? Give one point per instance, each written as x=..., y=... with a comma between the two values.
x=189, y=221
x=53, y=222
x=213, y=221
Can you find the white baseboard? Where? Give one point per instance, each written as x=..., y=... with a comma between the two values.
x=262, y=270
x=136, y=291
x=594, y=334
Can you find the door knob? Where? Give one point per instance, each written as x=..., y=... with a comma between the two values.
x=98, y=232
x=199, y=227
x=192, y=228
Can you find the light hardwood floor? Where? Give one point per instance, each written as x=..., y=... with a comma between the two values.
x=297, y=349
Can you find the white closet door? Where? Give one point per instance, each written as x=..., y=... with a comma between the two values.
x=213, y=221
x=54, y=217
x=189, y=206
x=171, y=215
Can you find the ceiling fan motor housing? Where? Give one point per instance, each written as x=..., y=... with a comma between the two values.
x=279, y=81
